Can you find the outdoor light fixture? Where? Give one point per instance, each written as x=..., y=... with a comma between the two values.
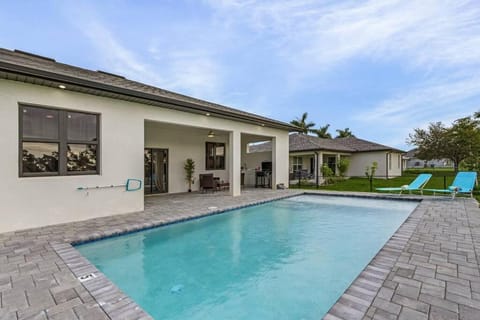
x=207, y=114
x=61, y=86
x=211, y=134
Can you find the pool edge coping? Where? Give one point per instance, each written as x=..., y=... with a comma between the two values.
x=117, y=304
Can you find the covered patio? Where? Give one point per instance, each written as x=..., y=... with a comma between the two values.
x=215, y=151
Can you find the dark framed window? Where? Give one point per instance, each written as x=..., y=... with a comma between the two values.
x=214, y=156
x=55, y=142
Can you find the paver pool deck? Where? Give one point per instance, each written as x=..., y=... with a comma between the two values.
x=429, y=269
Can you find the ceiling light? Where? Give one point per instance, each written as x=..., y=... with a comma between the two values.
x=207, y=114
x=61, y=86
x=211, y=134
x=262, y=124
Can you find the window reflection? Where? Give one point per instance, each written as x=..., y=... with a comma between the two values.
x=40, y=157
x=82, y=157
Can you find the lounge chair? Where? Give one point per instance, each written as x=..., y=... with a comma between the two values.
x=416, y=185
x=463, y=183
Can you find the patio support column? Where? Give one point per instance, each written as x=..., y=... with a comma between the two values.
x=280, y=160
x=274, y=164
x=319, y=166
x=235, y=159
x=337, y=161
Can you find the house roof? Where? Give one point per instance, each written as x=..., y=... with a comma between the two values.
x=411, y=153
x=360, y=145
x=27, y=67
x=303, y=142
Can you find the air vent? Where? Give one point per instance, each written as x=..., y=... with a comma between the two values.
x=87, y=277
x=111, y=74
x=34, y=55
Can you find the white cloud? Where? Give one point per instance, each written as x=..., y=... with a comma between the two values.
x=189, y=70
x=419, y=103
x=320, y=35
x=118, y=58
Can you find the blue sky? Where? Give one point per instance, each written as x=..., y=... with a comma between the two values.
x=380, y=68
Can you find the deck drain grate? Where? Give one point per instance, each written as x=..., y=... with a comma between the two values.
x=87, y=277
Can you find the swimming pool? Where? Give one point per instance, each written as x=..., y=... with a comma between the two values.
x=287, y=259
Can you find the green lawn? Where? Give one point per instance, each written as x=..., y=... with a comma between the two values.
x=362, y=184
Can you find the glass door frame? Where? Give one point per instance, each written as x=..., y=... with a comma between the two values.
x=150, y=189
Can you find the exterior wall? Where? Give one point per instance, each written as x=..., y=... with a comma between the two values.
x=37, y=201
x=395, y=170
x=254, y=160
x=250, y=163
x=358, y=162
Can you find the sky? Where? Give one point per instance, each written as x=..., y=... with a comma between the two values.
x=380, y=68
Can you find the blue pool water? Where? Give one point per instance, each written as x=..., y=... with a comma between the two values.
x=287, y=259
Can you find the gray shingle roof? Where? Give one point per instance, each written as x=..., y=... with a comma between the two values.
x=30, y=65
x=360, y=145
x=411, y=153
x=302, y=142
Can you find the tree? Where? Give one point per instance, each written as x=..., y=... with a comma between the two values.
x=344, y=133
x=305, y=127
x=322, y=132
x=342, y=166
x=459, y=142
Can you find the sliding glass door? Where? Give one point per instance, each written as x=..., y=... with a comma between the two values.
x=156, y=170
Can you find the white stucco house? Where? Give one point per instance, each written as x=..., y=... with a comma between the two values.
x=414, y=162
x=309, y=153
x=71, y=137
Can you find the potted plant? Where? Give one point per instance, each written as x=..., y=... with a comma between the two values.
x=189, y=171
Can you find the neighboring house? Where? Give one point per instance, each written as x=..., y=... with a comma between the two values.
x=309, y=153
x=64, y=128
x=414, y=162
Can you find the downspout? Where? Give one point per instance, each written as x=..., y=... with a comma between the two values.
x=386, y=164
x=316, y=167
x=401, y=164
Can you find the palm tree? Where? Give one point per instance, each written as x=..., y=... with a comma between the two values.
x=322, y=132
x=344, y=133
x=305, y=127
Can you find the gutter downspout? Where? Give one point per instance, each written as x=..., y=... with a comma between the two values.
x=386, y=164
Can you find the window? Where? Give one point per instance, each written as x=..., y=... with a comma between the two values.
x=390, y=161
x=399, y=161
x=58, y=142
x=215, y=156
x=297, y=164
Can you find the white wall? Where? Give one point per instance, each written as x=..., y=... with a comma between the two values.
x=254, y=160
x=358, y=162
x=37, y=201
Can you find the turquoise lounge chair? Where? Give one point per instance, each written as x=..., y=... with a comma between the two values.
x=463, y=183
x=416, y=185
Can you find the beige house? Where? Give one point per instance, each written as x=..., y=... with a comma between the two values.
x=71, y=138
x=309, y=153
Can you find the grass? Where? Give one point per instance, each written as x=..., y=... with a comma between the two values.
x=361, y=184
